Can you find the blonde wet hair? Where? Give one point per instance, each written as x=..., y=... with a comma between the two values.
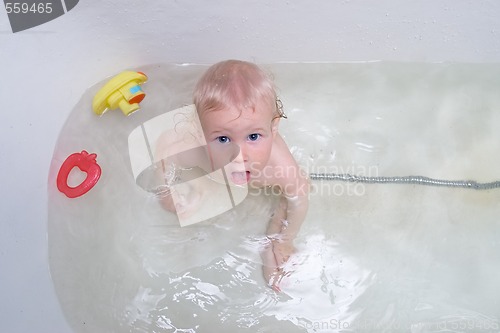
x=235, y=83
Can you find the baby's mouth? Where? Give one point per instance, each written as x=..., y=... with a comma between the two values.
x=240, y=177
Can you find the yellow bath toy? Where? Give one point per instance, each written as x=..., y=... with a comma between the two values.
x=121, y=91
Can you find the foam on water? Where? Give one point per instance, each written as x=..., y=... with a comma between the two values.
x=394, y=258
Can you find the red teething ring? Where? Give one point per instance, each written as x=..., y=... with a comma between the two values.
x=85, y=162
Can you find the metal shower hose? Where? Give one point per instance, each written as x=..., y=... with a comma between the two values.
x=417, y=180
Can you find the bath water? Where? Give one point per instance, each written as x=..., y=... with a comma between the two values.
x=370, y=258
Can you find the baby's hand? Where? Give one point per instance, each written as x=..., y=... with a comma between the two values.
x=274, y=256
x=282, y=251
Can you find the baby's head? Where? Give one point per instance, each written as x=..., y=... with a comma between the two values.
x=239, y=112
x=237, y=84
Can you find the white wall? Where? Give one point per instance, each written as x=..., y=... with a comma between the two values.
x=47, y=68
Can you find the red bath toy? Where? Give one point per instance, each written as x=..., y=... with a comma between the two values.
x=85, y=162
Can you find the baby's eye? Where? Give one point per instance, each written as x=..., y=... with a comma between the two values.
x=253, y=137
x=223, y=139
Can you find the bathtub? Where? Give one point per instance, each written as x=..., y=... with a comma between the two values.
x=47, y=69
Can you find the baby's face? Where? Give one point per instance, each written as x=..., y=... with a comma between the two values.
x=240, y=140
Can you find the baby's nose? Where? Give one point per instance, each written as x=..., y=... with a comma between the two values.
x=241, y=157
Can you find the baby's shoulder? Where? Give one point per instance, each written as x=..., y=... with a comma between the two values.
x=181, y=131
x=288, y=175
x=280, y=153
x=285, y=168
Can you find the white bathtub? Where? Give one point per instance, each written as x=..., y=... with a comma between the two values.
x=47, y=68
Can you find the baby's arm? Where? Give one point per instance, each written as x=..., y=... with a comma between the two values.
x=289, y=215
x=173, y=153
x=282, y=230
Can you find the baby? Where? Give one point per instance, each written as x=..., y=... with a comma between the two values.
x=239, y=114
